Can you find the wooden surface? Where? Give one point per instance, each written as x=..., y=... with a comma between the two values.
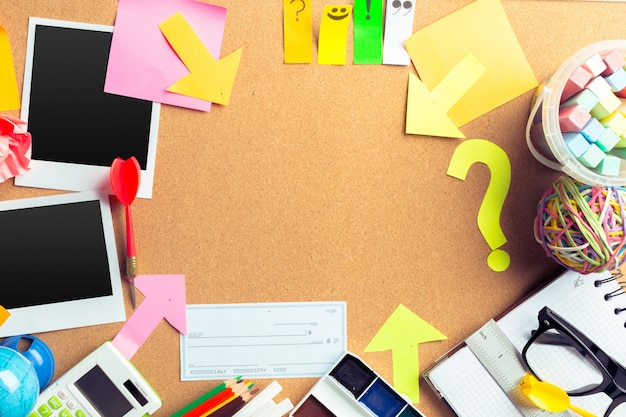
x=305, y=188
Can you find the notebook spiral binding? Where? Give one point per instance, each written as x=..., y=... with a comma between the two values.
x=618, y=277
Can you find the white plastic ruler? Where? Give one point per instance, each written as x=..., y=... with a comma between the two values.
x=500, y=358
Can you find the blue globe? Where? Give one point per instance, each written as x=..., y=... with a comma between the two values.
x=19, y=384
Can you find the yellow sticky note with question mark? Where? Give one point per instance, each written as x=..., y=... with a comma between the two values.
x=297, y=31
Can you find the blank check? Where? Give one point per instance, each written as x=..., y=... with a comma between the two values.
x=264, y=340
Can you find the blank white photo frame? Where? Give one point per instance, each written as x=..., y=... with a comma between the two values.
x=60, y=266
x=77, y=129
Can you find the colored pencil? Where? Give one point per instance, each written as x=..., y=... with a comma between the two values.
x=217, y=389
x=235, y=405
x=218, y=399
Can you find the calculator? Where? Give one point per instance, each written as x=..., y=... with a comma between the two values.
x=103, y=384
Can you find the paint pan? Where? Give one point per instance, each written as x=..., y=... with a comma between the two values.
x=353, y=389
x=543, y=133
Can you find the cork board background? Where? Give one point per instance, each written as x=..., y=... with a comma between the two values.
x=305, y=188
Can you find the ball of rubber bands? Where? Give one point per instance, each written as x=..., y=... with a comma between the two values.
x=582, y=226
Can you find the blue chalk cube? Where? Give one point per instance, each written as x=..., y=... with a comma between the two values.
x=592, y=157
x=609, y=166
x=617, y=80
x=576, y=143
x=592, y=130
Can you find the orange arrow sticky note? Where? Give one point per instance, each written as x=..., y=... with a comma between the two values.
x=209, y=79
x=9, y=95
x=4, y=315
x=402, y=333
x=427, y=111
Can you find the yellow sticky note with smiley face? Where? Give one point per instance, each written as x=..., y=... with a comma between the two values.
x=331, y=45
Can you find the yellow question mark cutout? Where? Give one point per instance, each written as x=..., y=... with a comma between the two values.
x=490, y=154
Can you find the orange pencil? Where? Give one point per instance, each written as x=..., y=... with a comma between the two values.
x=235, y=405
x=217, y=399
x=236, y=394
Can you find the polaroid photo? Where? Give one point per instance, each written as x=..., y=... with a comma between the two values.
x=60, y=266
x=77, y=129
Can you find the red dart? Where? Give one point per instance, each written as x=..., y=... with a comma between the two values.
x=125, y=177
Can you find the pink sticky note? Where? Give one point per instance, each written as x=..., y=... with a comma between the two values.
x=576, y=82
x=164, y=299
x=573, y=118
x=142, y=64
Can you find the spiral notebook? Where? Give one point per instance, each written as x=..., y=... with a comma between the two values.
x=592, y=303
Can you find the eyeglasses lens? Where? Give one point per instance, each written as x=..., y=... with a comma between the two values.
x=556, y=358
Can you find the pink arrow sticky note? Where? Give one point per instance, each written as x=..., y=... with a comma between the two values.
x=164, y=299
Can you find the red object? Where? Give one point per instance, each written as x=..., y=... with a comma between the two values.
x=125, y=178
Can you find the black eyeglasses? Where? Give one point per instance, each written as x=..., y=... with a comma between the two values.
x=559, y=353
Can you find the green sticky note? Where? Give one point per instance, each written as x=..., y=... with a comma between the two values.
x=368, y=32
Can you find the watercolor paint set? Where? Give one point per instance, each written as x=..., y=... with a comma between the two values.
x=352, y=389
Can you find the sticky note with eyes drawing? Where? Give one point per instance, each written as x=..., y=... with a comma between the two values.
x=331, y=46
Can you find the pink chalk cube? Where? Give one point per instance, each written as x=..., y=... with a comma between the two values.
x=576, y=82
x=614, y=60
x=573, y=118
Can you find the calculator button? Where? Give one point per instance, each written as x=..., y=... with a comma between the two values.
x=71, y=404
x=63, y=395
x=80, y=413
x=44, y=410
x=33, y=414
x=54, y=402
x=65, y=413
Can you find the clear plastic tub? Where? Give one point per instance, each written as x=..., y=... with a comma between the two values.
x=547, y=144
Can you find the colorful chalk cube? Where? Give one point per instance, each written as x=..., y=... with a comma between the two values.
x=592, y=157
x=614, y=60
x=576, y=82
x=605, y=106
x=573, y=118
x=592, y=130
x=609, y=166
x=585, y=98
x=617, y=80
x=576, y=143
x=608, y=140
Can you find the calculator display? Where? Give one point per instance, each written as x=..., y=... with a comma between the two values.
x=103, y=394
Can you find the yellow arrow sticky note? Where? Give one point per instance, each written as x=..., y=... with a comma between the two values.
x=4, y=315
x=402, y=333
x=209, y=79
x=427, y=111
x=9, y=95
x=331, y=45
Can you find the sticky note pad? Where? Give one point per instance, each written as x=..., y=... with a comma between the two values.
x=599, y=86
x=613, y=60
x=595, y=65
x=605, y=106
x=584, y=98
x=609, y=166
x=592, y=130
x=573, y=118
x=608, y=140
x=592, y=157
x=617, y=80
x=615, y=121
x=576, y=82
x=576, y=143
